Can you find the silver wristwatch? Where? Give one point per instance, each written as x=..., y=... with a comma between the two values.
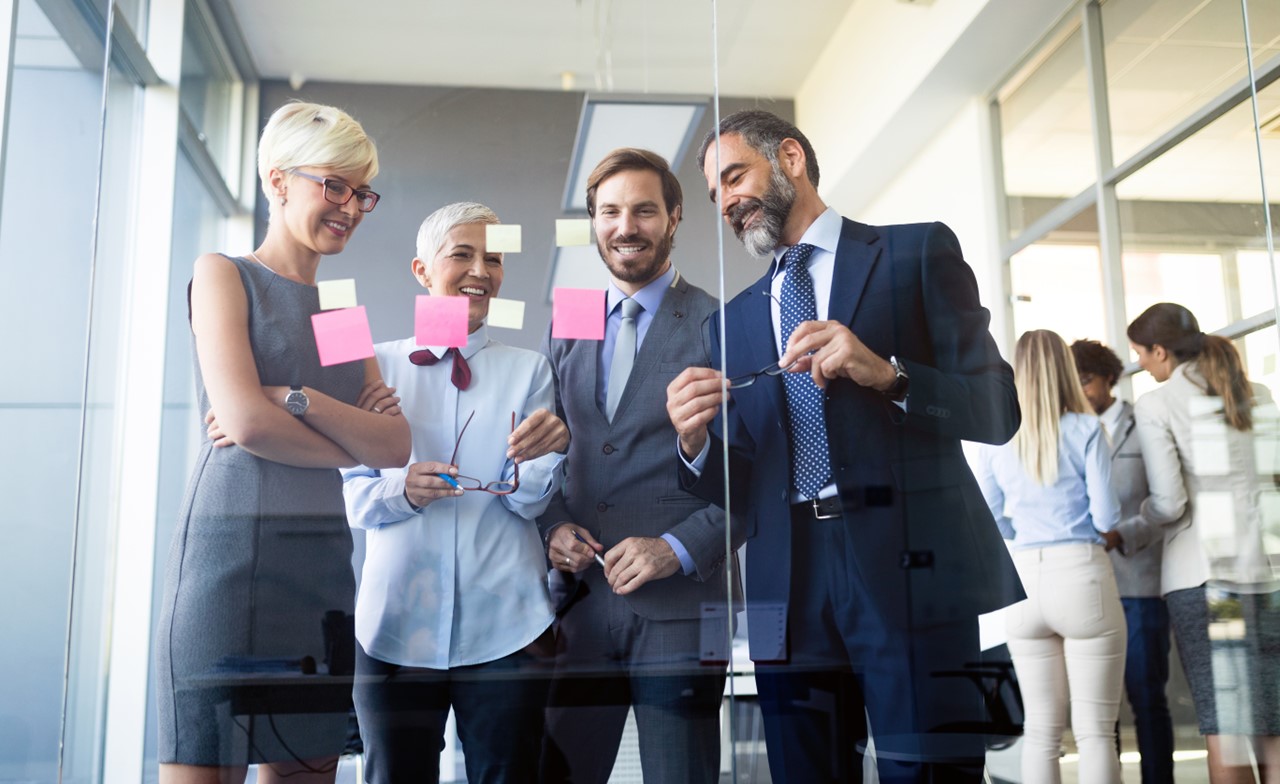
x=898, y=391
x=296, y=401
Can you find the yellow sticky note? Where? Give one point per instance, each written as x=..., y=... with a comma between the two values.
x=506, y=313
x=335, y=294
x=573, y=231
x=502, y=238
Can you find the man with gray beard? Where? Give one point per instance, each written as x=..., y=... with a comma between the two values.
x=857, y=365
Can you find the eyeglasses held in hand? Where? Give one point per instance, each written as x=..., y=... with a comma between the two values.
x=339, y=193
x=747, y=379
x=497, y=487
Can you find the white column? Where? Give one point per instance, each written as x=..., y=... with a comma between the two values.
x=140, y=394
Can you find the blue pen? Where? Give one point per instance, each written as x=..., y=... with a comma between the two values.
x=594, y=554
x=449, y=479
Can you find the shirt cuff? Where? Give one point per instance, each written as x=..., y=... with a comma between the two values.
x=699, y=462
x=686, y=561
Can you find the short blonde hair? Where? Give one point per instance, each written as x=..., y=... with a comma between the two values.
x=1048, y=387
x=432, y=232
x=311, y=134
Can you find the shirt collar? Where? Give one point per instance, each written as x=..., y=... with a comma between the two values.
x=475, y=341
x=1111, y=417
x=649, y=297
x=822, y=234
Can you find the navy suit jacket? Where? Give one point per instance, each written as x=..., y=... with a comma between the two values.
x=925, y=540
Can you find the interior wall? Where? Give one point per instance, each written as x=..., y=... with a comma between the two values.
x=950, y=180
x=508, y=149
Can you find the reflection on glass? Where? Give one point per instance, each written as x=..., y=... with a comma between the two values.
x=1045, y=133
x=1167, y=58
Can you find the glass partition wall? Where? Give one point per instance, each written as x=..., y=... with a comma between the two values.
x=1134, y=143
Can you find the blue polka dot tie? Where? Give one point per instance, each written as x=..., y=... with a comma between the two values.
x=810, y=463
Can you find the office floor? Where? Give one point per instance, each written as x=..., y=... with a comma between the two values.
x=1002, y=766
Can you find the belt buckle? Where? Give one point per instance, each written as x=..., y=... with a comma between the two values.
x=817, y=511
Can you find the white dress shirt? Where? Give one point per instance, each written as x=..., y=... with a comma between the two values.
x=463, y=581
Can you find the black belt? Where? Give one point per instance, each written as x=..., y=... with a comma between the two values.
x=819, y=508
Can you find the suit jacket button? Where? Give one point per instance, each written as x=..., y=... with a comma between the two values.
x=608, y=449
x=602, y=507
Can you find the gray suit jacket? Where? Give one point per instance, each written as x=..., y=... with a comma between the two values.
x=1138, y=566
x=622, y=478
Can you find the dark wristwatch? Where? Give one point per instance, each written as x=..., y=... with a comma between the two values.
x=897, y=392
x=296, y=402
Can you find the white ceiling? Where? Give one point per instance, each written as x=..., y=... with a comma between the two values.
x=1164, y=60
x=661, y=46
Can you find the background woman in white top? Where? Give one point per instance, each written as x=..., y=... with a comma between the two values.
x=1203, y=433
x=1050, y=492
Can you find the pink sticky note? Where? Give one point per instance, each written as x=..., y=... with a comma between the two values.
x=577, y=314
x=440, y=321
x=342, y=335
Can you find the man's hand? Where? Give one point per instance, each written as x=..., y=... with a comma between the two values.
x=1112, y=540
x=422, y=485
x=540, y=434
x=569, y=555
x=827, y=350
x=379, y=398
x=637, y=560
x=693, y=400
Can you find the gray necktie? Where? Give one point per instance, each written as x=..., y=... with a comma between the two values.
x=624, y=356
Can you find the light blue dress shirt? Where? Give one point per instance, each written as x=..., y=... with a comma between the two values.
x=463, y=581
x=650, y=298
x=1075, y=508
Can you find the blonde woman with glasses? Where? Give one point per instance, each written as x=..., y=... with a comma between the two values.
x=260, y=566
x=1050, y=492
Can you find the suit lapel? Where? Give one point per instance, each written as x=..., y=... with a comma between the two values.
x=856, y=256
x=1126, y=428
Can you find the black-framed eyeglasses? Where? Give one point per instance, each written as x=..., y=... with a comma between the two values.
x=747, y=379
x=497, y=487
x=338, y=192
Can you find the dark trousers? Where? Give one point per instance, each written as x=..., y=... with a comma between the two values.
x=848, y=665
x=499, y=708
x=609, y=660
x=1146, y=673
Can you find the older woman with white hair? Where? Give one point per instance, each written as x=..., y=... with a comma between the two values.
x=262, y=553
x=453, y=610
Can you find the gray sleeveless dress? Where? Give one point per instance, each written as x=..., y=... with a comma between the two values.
x=262, y=552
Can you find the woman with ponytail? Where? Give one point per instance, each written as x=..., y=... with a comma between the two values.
x=1050, y=492
x=1200, y=440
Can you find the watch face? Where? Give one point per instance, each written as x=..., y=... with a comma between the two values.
x=296, y=402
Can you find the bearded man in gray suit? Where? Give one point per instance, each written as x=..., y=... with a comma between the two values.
x=1135, y=555
x=642, y=558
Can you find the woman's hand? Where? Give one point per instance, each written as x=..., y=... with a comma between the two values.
x=379, y=398
x=542, y=433
x=423, y=485
x=219, y=438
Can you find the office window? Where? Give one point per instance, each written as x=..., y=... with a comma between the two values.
x=1167, y=59
x=1045, y=134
